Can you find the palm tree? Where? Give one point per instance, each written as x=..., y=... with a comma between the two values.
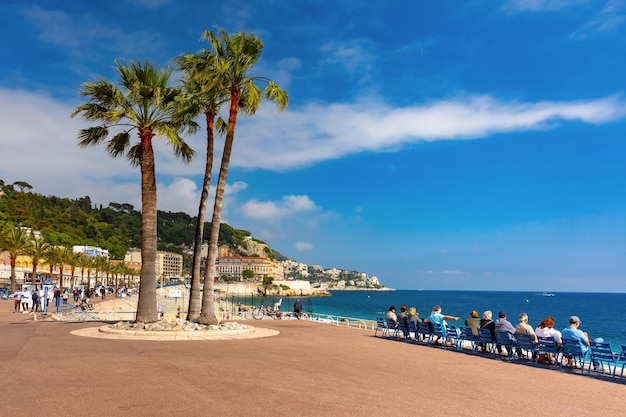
x=14, y=241
x=206, y=94
x=234, y=56
x=143, y=102
x=84, y=263
x=73, y=261
x=100, y=265
x=37, y=251
x=54, y=258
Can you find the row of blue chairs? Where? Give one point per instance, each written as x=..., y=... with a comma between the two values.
x=599, y=356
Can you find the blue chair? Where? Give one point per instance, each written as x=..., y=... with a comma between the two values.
x=601, y=354
x=622, y=358
x=548, y=346
x=413, y=329
x=485, y=341
x=439, y=334
x=454, y=337
x=392, y=328
x=424, y=333
x=403, y=328
x=507, y=340
x=526, y=346
x=571, y=350
x=381, y=325
x=468, y=335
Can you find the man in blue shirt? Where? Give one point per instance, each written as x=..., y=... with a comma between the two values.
x=574, y=333
x=437, y=318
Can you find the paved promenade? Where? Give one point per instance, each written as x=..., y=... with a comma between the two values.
x=309, y=369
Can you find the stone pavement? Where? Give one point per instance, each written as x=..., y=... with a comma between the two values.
x=308, y=369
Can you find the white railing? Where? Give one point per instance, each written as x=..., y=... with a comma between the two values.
x=343, y=321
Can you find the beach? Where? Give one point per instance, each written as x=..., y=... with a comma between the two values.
x=308, y=369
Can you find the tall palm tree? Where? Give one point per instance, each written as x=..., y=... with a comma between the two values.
x=234, y=57
x=55, y=258
x=13, y=240
x=206, y=94
x=143, y=102
x=100, y=265
x=84, y=263
x=37, y=251
x=73, y=261
x=62, y=257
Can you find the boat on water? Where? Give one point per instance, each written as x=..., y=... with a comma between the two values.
x=547, y=294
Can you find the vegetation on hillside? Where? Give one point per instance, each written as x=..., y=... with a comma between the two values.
x=67, y=222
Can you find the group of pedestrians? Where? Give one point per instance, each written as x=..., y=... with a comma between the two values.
x=25, y=300
x=545, y=329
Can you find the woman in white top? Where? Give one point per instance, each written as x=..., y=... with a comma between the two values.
x=546, y=329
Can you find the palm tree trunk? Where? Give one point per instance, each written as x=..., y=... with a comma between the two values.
x=208, y=302
x=195, y=294
x=147, y=303
x=12, y=285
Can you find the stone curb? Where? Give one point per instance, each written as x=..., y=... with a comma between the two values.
x=107, y=332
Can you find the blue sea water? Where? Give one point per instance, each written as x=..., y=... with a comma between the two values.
x=602, y=314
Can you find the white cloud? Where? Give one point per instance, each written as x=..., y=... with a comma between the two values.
x=42, y=141
x=272, y=210
x=73, y=33
x=302, y=246
x=318, y=132
x=609, y=19
x=352, y=55
x=542, y=5
x=452, y=272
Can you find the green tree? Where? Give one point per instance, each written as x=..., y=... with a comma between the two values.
x=205, y=93
x=233, y=58
x=14, y=241
x=144, y=102
x=37, y=251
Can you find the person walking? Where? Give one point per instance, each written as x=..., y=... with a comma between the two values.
x=36, y=302
x=25, y=300
x=17, y=299
x=297, y=308
x=57, y=298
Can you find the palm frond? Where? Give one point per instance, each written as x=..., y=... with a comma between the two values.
x=92, y=136
x=277, y=95
x=118, y=144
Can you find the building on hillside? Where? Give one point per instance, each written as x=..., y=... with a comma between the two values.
x=91, y=251
x=169, y=264
x=133, y=256
x=233, y=267
x=291, y=266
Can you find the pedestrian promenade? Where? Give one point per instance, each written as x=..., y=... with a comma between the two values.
x=308, y=369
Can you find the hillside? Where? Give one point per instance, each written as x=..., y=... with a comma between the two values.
x=67, y=222
x=116, y=228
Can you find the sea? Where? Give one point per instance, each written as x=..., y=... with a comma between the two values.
x=601, y=314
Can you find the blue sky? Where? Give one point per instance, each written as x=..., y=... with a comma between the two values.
x=463, y=145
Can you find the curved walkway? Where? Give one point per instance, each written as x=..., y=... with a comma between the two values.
x=309, y=369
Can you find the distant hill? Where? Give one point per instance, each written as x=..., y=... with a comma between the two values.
x=67, y=222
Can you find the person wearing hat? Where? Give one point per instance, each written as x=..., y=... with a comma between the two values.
x=574, y=333
x=503, y=324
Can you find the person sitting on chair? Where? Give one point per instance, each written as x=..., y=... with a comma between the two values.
x=573, y=333
x=437, y=318
x=524, y=328
x=473, y=322
x=503, y=324
x=546, y=329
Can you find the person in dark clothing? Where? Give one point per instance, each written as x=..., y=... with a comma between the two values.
x=487, y=323
x=297, y=308
x=36, y=302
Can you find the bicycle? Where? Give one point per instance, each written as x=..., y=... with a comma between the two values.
x=258, y=313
